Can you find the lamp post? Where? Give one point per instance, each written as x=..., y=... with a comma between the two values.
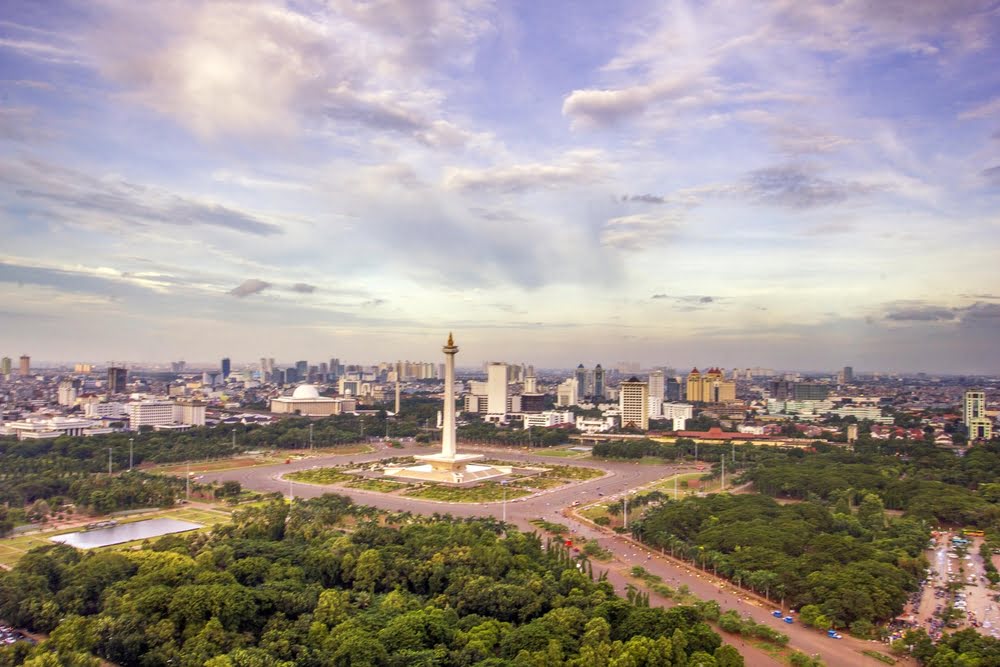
x=130, y=453
x=310, y=437
x=109, y=461
x=625, y=501
x=503, y=484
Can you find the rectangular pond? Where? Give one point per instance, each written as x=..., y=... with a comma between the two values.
x=126, y=532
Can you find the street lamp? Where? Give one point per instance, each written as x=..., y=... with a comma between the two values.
x=503, y=484
x=130, y=453
x=109, y=461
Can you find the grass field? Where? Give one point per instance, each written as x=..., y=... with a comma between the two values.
x=666, y=485
x=484, y=493
x=575, y=473
x=562, y=452
x=254, y=461
x=380, y=485
x=12, y=548
x=320, y=476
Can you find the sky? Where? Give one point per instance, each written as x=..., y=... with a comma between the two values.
x=782, y=183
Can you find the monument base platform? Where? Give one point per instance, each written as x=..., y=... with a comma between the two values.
x=444, y=469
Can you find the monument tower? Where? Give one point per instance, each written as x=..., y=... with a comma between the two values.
x=449, y=466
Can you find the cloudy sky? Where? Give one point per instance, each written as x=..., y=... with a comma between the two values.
x=778, y=183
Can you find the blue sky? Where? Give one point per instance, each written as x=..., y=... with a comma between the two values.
x=778, y=183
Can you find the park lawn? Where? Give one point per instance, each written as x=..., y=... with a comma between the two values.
x=237, y=462
x=666, y=485
x=562, y=452
x=320, y=476
x=211, y=466
x=12, y=548
x=575, y=473
x=595, y=511
x=486, y=492
x=380, y=485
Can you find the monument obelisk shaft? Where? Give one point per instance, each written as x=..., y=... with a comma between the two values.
x=448, y=445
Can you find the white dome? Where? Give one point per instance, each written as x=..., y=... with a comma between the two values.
x=305, y=391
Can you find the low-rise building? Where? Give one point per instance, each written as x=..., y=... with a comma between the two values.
x=548, y=418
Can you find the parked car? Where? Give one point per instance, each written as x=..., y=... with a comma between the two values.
x=833, y=634
x=777, y=613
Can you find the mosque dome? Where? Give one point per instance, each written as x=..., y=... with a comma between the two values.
x=305, y=392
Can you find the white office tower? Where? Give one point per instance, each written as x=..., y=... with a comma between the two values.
x=496, y=388
x=657, y=385
x=655, y=407
x=679, y=423
x=633, y=403
x=530, y=381
x=67, y=392
x=566, y=393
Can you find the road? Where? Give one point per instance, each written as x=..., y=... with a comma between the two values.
x=553, y=505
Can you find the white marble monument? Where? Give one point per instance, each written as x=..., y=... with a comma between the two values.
x=449, y=466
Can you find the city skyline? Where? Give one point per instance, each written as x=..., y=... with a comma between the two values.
x=801, y=186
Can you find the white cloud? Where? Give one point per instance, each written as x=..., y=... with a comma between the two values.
x=984, y=110
x=574, y=168
x=222, y=67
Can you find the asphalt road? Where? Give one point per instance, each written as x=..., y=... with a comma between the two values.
x=554, y=505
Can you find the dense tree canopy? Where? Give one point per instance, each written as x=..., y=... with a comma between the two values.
x=854, y=568
x=283, y=587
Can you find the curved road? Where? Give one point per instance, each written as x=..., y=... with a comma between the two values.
x=554, y=505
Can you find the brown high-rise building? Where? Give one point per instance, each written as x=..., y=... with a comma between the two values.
x=709, y=387
x=117, y=379
x=25, y=365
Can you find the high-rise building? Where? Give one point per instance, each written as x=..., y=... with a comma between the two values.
x=25, y=365
x=566, y=393
x=530, y=381
x=532, y=402
x=673, y=390
x=68, y=391
x=977, y=424
x=5, y=366
x=302, y=369
x=846, y=375
x=226, y=366
x=117, y=379
x=633, y=403
x=810, y=391
x=496, y=388
x=657, y=386
x=599, y=387
x=582, y=389
x=709, y=387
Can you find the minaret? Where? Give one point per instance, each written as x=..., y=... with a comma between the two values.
x=399, y=377
x=448, y=447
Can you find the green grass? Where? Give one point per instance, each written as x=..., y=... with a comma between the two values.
x=320, y=476
x=575, y=473
x=379, y=485
x=486, y=492
x=562, y=453
x=881, y=657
